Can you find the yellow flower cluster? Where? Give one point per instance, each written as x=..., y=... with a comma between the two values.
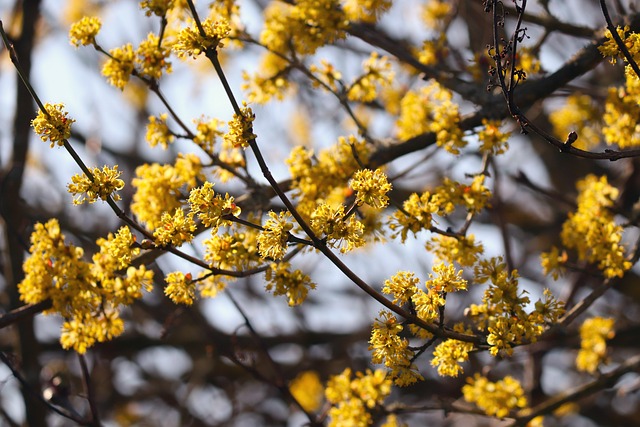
x=389, y=348
x=270, y=81
x=152, y=57
x=293, y=284
x=365, y=10
x=159, y=188
x=463, y=250
x=272, y=240
x=118, y=68
x=158, y=132
x=591, y=230
x=621, y=110
x=448, y=355
x=492, y=140
x=326, y=73
x=84, y=31
x=233, y=251
x=496, y=399
x=502, y=312
x=307, y=389
x=594, y=333
x=180, y=288
x=105, y=183
x=631, y=42
x=434, y=12
x=351, y=398
x=53, y=124
x=241, y=129
x=431, y=109
x=191, y=43
x=304, y=26
x=377, y=71
x=580, y=115
x=207, y=132
x=322, y=177
x=371, y=188
x=211, y=207
x=175, y=229
x=88, y=295
x=157, y=7
x=417, y=211
x=344, y=233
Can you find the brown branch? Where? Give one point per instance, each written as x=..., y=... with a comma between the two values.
x=614, y=33
x=24, y=312
x=603, y=381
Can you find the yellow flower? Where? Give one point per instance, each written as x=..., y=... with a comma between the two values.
x=272, y=241
x=377, y=71
x=211, y=207
x=152, y=57
x=84, y=32
x=593, y=346
x=53, y=125
x=371, y=187
x=175, y=229
x=105, y=183
x=191, y=43
x=180, y=288
x=207, y=132
x=448, y=355
x=344, y=233
x=158, y=132
x=293, y=284
x=492, y=139
x=241, y=129
x=157, y=7
x=365, y=10
x=307, y=389
x=495, y=398
x=118, y=68
x=402, y=286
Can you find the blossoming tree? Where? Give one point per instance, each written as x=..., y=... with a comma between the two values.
x=441, y=195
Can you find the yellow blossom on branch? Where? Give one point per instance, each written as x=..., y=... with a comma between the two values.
x=104, y=184
x=175, y=229
x=377, y=71
x=157, y=7
x=345, y=233
x=371, y=187
x=495, y=398
x=241, y=128
x=211, y=207
x=118, y=68
x=152, y=57
x=388, y=347
x=190, y=42
x=294, y=284
x=365, y=10
x=53, y=125
x=84, y=32
x=158, y=132
x=402, y=286
x=180, y=288
x=492, y=139
x=448, y=355
x=272, y=241
x=594, y=333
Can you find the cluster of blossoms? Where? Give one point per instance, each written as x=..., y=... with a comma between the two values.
x=270, y=81
x=591, y=231
x=594, y=333
x=88, y=295
x=294, y=284
x=621, y=106
x=321, y=177
x=241, y=129
x=502, y=312
x=377, y=72
x=352, y=399
x=103, y=184
x=340, y=232
x=492, y=140
x=418, y=210
x=495, y=398
x=431, y=109
x=53, y=124
x=158, y=131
